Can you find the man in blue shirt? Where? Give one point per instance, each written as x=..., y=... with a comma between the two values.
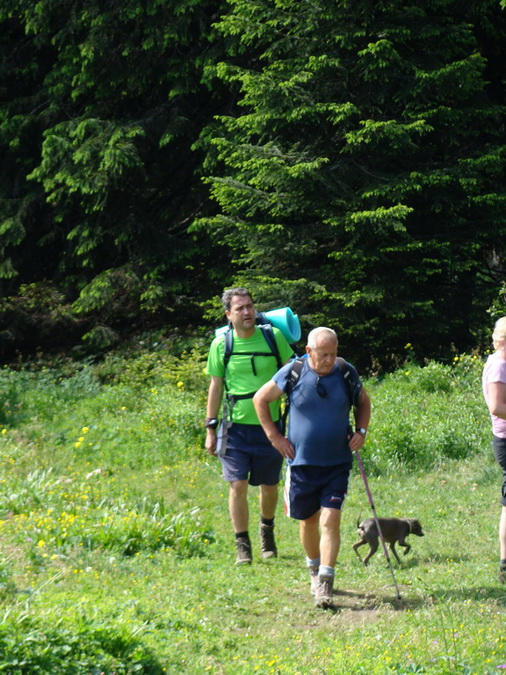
x=319, y=451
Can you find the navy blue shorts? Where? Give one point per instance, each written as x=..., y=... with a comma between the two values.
x=499, y=448
x=250, y=456
x=309, y=488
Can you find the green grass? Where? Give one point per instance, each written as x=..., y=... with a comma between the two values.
x=117, y=554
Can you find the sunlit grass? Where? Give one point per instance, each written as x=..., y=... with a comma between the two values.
x=117, y=552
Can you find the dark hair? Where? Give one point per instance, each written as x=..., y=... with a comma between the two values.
x=227, y=296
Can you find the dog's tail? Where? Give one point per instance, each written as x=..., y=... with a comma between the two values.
x=359, y=519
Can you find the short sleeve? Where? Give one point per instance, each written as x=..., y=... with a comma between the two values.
x=215, y=361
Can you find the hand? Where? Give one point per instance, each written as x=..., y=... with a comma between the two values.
x=283, y=446
x=356, y=441
x=211, y=441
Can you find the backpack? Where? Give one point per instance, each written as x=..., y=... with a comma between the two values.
x=267, y=332
x=351, y=380
x=266, y=327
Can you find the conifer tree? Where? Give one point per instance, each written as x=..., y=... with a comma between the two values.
x=101, y=104
x=366, y=167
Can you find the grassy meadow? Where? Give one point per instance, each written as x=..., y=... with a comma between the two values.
x=117, y=556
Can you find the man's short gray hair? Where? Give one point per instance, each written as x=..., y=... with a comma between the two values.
x=314, y=335
x=227, y=296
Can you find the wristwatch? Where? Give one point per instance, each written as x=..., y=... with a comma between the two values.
x=361, y=430
x=211, y=423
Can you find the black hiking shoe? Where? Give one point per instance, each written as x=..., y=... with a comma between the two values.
x=502, y=574
x=267, y=542
x=244, y=556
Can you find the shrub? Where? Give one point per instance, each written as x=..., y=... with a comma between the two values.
x=32, y=646
x=423, y=416
x=116, y=526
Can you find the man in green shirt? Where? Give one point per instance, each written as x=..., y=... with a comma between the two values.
x=248, y=457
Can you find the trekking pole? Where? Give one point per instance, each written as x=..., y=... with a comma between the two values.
x=366, y=483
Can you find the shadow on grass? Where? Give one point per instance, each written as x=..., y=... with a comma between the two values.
x=407, y=563
x=367, y=602
x=440, y=558
x=478, y=593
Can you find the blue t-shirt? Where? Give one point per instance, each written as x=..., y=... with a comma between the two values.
x=319, y=416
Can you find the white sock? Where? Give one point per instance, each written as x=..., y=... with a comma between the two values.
x=326, y=571
x=313, y=562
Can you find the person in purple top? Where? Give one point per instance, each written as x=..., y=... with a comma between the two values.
x=494, y=391
x=318, y=448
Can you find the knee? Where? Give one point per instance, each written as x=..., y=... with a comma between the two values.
x=310, y=523
x=269, y=490
x=330, y=519
x=238, y=488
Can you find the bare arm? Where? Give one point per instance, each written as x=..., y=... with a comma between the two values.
x=214, y=396
x=362, y=415
x=267, y=394
x=497, y=399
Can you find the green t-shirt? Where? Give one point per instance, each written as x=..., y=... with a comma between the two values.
x=240, y=376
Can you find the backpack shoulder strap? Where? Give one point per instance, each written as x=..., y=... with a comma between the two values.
x=294, y=375
x=229, y=343
x=292, y=380
x=270, y=338
x=227, y=353
x=351, y=380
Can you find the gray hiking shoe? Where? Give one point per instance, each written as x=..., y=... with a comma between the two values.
x=267, y=542
x=313, y=573
x=244, y=556
x=324, y=589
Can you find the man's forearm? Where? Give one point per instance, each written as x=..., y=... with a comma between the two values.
x=362, y=412
x=265, y=418
x=214, y=397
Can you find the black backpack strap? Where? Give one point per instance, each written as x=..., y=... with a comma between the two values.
x=352, y=381
x=231, y=399
x=270, y=338
x=229, y=343
x=294, y=375
x=292, y=380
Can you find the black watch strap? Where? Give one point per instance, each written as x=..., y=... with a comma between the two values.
x=211, y=422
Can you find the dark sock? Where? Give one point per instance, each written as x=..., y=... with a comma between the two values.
x=242, y=535
x=267, y=521
x=503, y=562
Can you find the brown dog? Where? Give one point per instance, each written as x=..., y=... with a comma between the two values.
x=392, y=529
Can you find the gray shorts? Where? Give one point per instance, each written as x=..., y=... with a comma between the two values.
x=499, y=448
x=250, y=456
